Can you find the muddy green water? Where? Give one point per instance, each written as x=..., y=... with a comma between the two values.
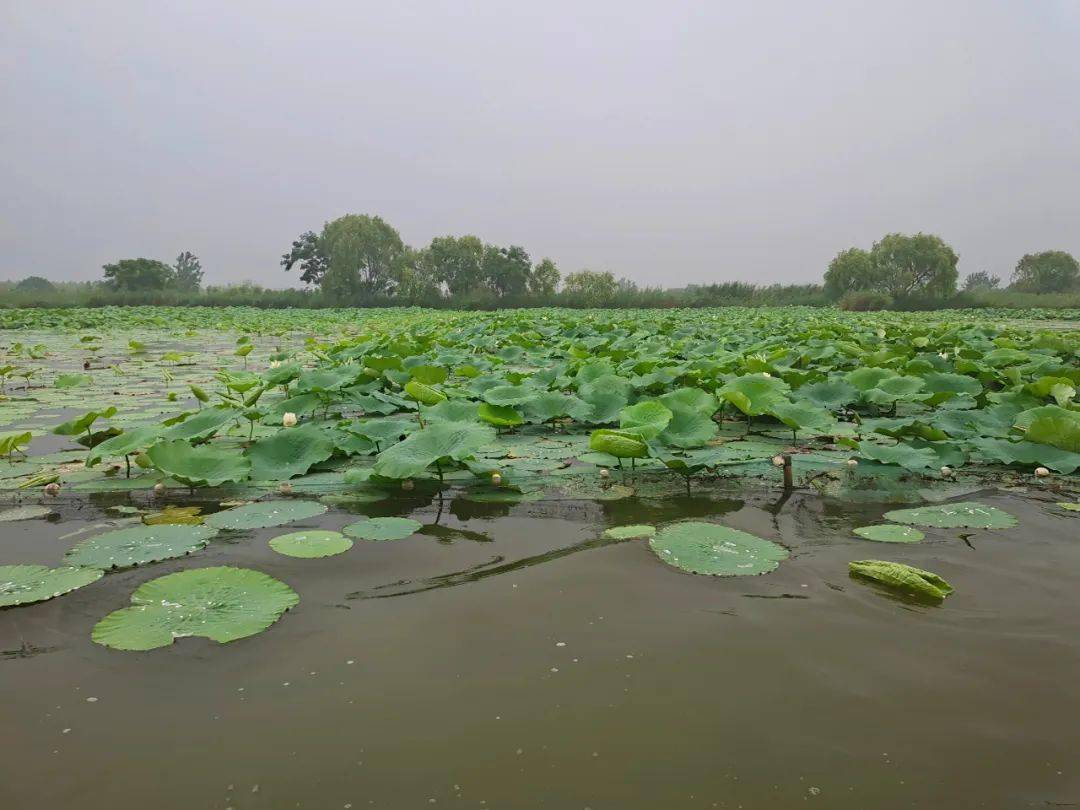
x=522, y=664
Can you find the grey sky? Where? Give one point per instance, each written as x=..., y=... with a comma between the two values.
x=669, y=142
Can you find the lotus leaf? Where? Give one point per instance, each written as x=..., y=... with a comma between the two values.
x=709, y=548
x=138, y=545
x=25, y=584
x=264, y=514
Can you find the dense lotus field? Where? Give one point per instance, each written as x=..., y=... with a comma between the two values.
x=343, y=409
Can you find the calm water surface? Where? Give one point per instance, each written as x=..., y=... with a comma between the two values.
x=509, y=660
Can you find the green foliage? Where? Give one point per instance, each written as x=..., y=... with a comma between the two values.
x=138, y=545
x=26, y=584
x=1051, y=271
x=198, y=466
x=709, y=548
x=590, y=287
x=364, y=257
x=383, y=528
x=902, y=267
x=188, y=273
x=904, y=578
x=139, y=275
x=851, y=271
x=311, y=544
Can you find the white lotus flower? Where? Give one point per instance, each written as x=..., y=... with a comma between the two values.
x=289, y=419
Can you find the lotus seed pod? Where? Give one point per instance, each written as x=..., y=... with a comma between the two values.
x=159, y=488
x=285, y=488
x=407, y=485
x=1042, y=472
x=946, y=471
x=52, y=489
x=143, y=460
x=604, y=473
x=851, y=462
x=778, y=461
x=496, y=479
x=289, y=419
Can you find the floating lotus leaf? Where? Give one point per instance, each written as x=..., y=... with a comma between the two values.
x=383, y=528
x=311, y=544
x=175, y=516
x=629, y=532
x=967, y=515
x=198, y=466
x=709, y=548
x=452, y=440
x=289, y=452
x=27, y=512
x=1069, y=507
x=220, y=603
x=23, y=584
x=887, y=533
x=139, y=545
x=898, y=576
x=264, y=514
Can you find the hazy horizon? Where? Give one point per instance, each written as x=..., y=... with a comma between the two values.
x=669, y=143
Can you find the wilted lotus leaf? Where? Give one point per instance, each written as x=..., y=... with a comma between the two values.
x=898, y=576
x=23, y=584
x=139, y=545
x=264, y=514
x=709, y=548
x=955, y=516
x=220, y=603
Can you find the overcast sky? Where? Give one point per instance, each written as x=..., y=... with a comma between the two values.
x=668, y=142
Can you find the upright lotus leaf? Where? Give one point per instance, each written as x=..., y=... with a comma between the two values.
x=832, y=394
x=895, y=389
x=898, y=576
x=645, y=419
x=324, y=380
x=867, y=377
x=694, y=399
x=709, y=548
x=888, y=533
x=138, y=545
x=754, y=394
x=429, y=375
x=289, y=452
x=383, y=528
x=126, y=443
x=311, y=544
x=510, y=395
x=501, y=416
x=14, y=442
x=1052, y=425
x=966, y=515
x=25, y=584
x=1029, y=453
x=449, y=440
x=81, y=424
x=618, y=443
x=804, y=417
x=945, y=386
x=201, y=425
x=384, y=432
x=452, y=410
x=220, y=603
x=202, y=466
x=908, y=457
x=282, y=375
x=689, y=428
x=424, y=394
x=264, y=514
x=549, y=405
x=607, y=394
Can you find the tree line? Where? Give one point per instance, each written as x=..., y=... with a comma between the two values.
x=361, y=260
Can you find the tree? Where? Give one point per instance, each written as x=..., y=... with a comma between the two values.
x=35, y=284
x=139, y=274
x=188, y=272
x=591, y=287
x=305, y=252
x=544, y=279
x=981, y=281
x=457, y=262
x=506, y=270
x=919, y=266
x=851, y=270
x=419, y=282
x=364, y=257
x=1046, y=272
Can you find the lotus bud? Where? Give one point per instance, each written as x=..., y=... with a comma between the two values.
x=289, y=419
x=1042, y=472
x=765, y=374
x=851, y=462
x=604, y=473
x=159, y=488
x=778, y=461
x=52, y=489
x=285, y=488
x=946, y=471
x=496, y=479
x=407, y=485
x=275, y=364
